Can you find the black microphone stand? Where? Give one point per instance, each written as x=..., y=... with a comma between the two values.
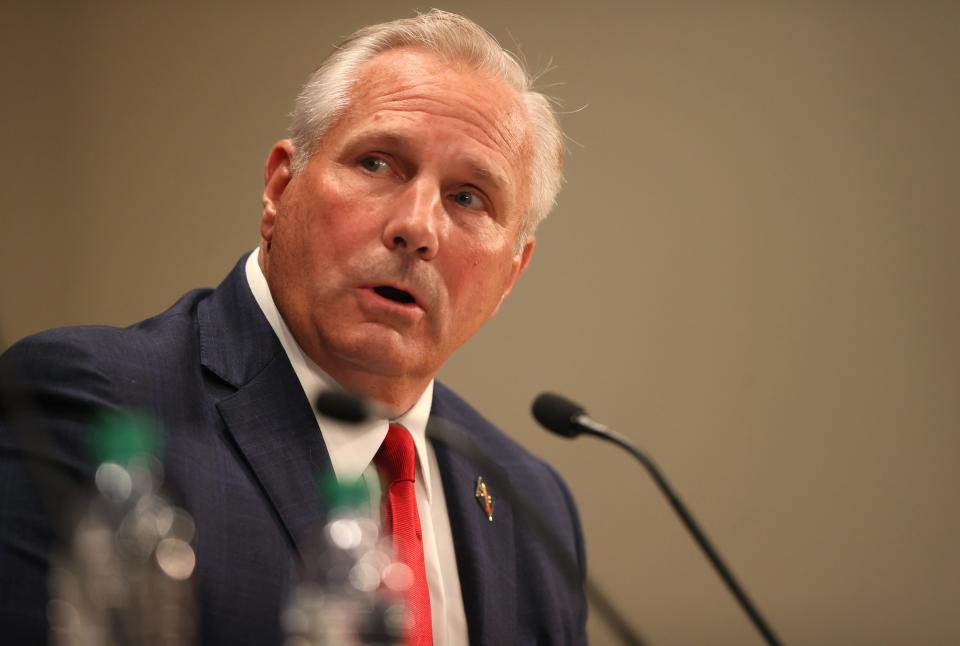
x=565, y=418
x=732, y=584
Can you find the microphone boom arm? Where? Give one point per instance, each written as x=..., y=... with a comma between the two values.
x=589, y=427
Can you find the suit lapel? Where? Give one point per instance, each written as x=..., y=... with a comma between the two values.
x=268, y=416
x=486, y=555
x=276, y=431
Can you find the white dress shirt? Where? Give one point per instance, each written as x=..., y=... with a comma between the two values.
x=352, y=447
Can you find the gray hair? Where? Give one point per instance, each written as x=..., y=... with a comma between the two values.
x=326, y=94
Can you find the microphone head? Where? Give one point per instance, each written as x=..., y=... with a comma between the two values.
x=343, y=406
x=556, y=413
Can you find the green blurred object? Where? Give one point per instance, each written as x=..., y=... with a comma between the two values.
x=120, y=436
x=348, y=494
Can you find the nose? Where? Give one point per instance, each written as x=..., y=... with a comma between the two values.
x=413, y=223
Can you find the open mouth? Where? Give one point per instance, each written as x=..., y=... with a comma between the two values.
x=395, y=295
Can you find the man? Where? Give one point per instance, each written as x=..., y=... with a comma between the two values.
x=395, y=222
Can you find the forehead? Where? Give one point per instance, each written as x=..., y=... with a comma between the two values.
x=408, y=84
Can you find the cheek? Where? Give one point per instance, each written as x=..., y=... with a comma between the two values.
x=478, y=283
x=348, y=214
x=333, y=226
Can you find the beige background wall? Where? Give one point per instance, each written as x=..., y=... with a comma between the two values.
x=753, y=271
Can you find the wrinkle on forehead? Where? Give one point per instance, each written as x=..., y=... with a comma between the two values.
x=420, y=81
x=500, y=130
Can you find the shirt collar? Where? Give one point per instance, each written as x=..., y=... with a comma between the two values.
x=351, y=446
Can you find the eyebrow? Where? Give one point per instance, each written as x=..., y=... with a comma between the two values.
x=485, y=174
x=376, y=136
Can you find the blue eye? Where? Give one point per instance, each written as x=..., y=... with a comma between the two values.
x=373, y=164
x=469, y=200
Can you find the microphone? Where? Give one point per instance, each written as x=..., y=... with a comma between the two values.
x=343, y=407
x=564, y=417
x=346, y=407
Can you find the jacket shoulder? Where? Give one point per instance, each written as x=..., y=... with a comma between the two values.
x=78, y=372
x=94, y=352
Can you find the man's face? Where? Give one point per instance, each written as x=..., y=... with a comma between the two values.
x=397, y=241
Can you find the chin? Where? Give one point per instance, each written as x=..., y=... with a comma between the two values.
x=383, y=355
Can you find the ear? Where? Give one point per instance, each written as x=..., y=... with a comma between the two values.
x=520, y=262
x=276, y=175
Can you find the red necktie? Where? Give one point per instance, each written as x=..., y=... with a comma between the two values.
x=397, y=460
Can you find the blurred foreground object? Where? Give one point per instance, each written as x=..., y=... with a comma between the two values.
x=351, y=591
x=125, y=575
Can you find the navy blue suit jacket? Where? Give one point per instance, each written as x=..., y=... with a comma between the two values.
x=241, y=452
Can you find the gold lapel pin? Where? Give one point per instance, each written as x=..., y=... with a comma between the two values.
x=484, y=499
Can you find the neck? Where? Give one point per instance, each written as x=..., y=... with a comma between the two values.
x=396, y=395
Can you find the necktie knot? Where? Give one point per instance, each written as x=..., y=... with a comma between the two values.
x=397, y=457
